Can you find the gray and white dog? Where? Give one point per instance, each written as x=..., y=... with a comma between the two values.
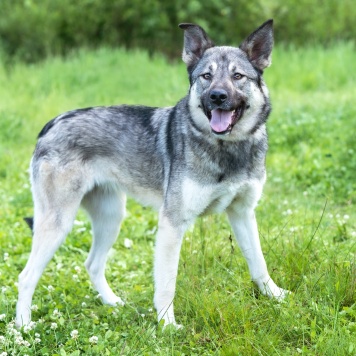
x=204, y=155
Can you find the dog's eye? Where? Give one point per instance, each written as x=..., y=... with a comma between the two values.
x=238, y=76
x=206, y=76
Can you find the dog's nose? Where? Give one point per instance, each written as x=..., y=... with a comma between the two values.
x=218, y=96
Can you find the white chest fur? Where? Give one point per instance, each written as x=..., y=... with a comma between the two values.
x=201, y=199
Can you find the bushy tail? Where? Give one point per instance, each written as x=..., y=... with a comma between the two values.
x=29, y=222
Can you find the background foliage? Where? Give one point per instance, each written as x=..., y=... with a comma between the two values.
x=33, y=29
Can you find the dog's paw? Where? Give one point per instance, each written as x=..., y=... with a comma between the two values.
x=169, y=323
x=271, y=290
x=23, y=315
x=114, y=301
x=281, y=294
x=167, y=326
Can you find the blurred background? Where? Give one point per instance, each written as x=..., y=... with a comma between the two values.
x=31, y=30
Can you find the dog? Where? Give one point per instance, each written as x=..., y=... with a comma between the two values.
x=204, y=155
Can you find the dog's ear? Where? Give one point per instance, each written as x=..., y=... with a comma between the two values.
x=258, y=46
x=196, y=42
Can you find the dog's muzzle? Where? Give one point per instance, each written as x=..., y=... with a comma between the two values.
x=223, y=110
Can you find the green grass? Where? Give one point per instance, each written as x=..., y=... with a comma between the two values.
x=306, y=220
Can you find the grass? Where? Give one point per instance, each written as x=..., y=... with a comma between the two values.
x=306, y=220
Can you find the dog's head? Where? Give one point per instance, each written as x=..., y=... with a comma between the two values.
x=228, y=96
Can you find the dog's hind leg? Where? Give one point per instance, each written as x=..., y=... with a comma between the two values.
x=52, y=223
x=106, y=208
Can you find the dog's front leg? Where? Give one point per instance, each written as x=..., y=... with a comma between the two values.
x=244, y=225
x=168, y=244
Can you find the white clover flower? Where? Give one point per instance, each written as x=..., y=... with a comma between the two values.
x=34, y=307
x=6, y=256
x=56, y=312
x=14, y=332
x=30, y=326
x=346, y=217
x=287, y=212
x=54, y=326
x=37, y=340
x=84, y=305
x=2, y=339
x=50, y=288
x=37, y=335
x=26, y=344
x=3, y=289
x=3, y=354
x=128, y=243
x=11, y=325
x=18, y=340
x=93, y=340
x=2, y=316
x=77, y=269
x=75, y=277
x=87, y=297
x=74, y=334
x=93, y=315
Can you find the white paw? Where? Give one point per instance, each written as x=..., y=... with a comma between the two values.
x=169, y=322
x=114, y=301
x=19, y=323
x=271, y=290
x=174, y=325
x=23, y=316
x=280, y=294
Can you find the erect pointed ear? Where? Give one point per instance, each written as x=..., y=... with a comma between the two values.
x=196, y=42
x=258, y=46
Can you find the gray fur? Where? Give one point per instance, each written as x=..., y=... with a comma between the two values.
x=177, y=159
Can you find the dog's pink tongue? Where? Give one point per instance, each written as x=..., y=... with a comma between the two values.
x=220, y=120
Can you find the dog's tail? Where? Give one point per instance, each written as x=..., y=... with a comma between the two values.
x=29, y=222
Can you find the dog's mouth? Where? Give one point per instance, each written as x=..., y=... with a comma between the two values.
x=222, y=121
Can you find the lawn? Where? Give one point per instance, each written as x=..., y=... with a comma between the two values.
x=306, y=220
